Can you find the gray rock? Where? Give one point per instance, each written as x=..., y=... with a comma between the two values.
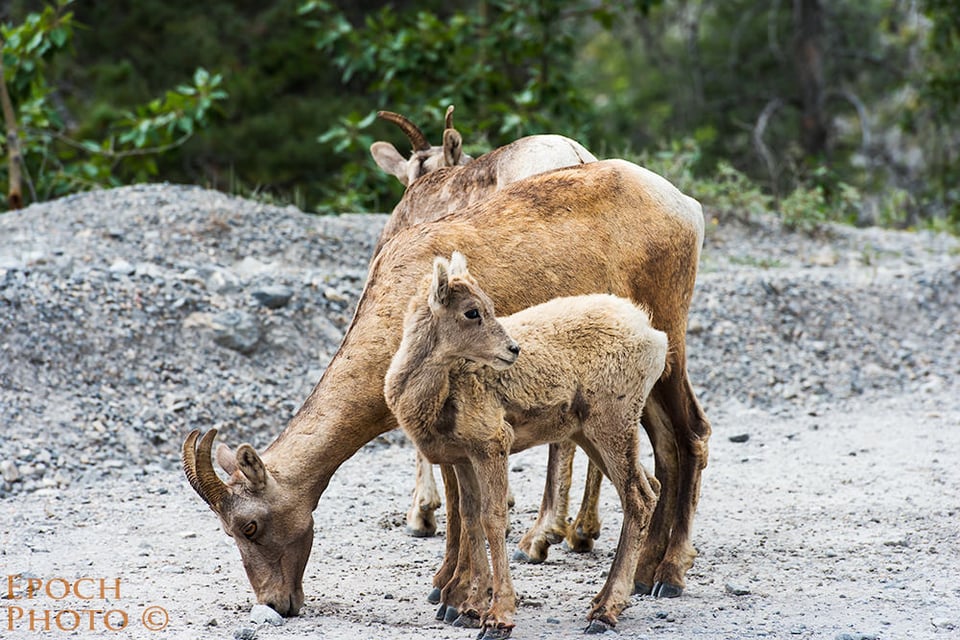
x=9, y=471
x=122, y=267
x=736, y=590
x=245, y=633
x=739, y=438
x=237, y=330
x=262, y=614
x=272, y=296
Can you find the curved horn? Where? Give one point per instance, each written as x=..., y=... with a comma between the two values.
x=448, y=120
x=198, y=467
x=417, y=139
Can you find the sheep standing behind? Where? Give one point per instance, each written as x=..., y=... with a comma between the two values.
x=467, y=396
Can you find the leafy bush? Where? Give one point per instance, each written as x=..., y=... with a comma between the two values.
x=53, y=162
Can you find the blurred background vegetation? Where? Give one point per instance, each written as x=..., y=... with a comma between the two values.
x=819, y=110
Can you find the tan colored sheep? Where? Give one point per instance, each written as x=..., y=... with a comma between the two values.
x=465, y=393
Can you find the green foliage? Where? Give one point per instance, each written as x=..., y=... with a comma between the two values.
x=55, y=163
x=941, y=87
x=503, y=63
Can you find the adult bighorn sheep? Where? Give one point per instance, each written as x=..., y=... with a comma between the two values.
x=448, y=191
x=464, y=392
x=603, y=227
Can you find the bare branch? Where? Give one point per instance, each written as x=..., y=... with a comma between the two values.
x=765, y=154
x=861, y=109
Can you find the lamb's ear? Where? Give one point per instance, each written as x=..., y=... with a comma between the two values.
x=389, y=159
x=226, y=458
x=440, y=287
x=250, y=464
x=458, y=265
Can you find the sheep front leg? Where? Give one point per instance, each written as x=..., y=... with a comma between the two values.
x=472, y=549
x=421, y=519
x=452, y=552
x=492, y=471
x=551, y=524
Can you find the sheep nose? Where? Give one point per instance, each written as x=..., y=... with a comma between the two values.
x=514, y=349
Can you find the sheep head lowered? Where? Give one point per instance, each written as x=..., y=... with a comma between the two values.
x=425, y=157
x=272, y=528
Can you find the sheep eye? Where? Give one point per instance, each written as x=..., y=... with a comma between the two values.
x=250, y=529
x=472, y=314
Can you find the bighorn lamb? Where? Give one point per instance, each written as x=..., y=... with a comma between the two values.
x=448, y=191
x=603, y=227
x=464, y=392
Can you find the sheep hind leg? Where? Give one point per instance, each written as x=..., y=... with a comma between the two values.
x=692, y=435
x=585, y=528
x=662, y=439
x=618, y=453
x=551, y=524
x=679, y=431
x=421, y=518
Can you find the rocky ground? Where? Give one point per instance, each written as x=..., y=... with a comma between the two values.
x=829, y=366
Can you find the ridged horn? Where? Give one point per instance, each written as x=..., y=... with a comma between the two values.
x=198, y=467
x=417, y=139
x=448, y=120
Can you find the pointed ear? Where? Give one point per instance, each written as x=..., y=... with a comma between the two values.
x=250, y=464
x=458, y=265
x=440, y=287
x=389, y=159
x=226, y=458
x=452, y=147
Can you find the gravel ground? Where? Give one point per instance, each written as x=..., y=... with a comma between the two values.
x=828, y=365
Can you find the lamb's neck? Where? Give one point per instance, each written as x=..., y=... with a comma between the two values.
x=418, y=382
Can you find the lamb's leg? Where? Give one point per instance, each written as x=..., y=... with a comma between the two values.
x=586, y=526
x=498, y=619
x=617, y=450
x=551, y=524
x=421, y=519
x=679, y=431
x=473, y=542
x=452, y=552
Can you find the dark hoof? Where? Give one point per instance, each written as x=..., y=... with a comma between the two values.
x=639, y=589
x=467, y=621
x=420, y=533
x=495, y=633
x=441, y=612
x=598, y=626
x=582, y=545
x=521, y=556
x=434, y=596
x=451, y=615
x=666, y=590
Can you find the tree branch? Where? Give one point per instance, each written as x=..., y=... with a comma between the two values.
x=15, y=192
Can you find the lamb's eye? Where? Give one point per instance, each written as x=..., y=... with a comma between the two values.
x=471, y=314
x=250, y=529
